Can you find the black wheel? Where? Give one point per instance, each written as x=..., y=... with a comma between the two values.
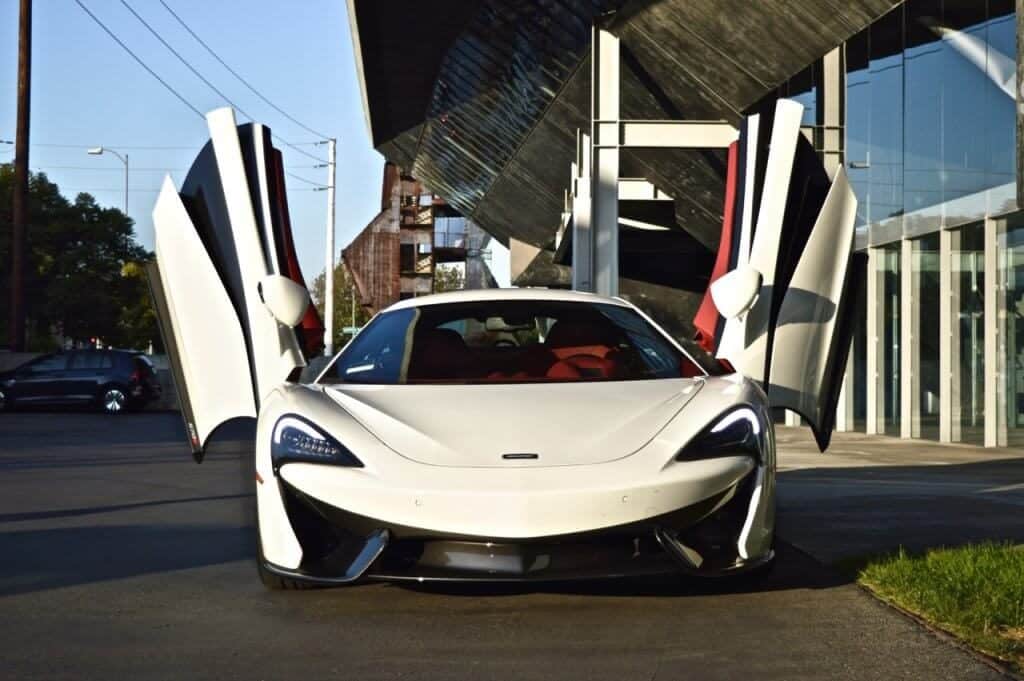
x=3, y=401
x=113, y=399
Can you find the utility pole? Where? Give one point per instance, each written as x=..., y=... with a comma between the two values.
x=329, y=273
x=20, y=203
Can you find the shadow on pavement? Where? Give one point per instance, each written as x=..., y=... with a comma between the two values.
x=32, y=562
x=838, y=514
x=91, y=510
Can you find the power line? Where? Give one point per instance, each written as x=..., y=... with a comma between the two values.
x=112, y=170
x=137, y=59
x=166, y=85
x=112, y=146
x=236, y=75
x=184, y=61
x=302, y=179
x=210, y=85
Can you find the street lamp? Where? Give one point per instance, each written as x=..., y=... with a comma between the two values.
x=99, y=151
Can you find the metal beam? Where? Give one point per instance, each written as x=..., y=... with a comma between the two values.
x=582, y=234
x=677, y=134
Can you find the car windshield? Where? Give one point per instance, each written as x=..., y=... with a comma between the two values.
x=512, y=341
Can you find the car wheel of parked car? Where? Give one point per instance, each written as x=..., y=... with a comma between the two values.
x=3, y=401
x=114, y=400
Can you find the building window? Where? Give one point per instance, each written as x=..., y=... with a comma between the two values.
x=931, y=115
x=927, y=382
x=407, y=258
x=889, y=262
x=1011, y=331
x=968, y=334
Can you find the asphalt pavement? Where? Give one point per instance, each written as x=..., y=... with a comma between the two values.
x=122, y=559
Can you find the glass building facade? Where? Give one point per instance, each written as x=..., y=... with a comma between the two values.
x=931, y=116
x=929, y=121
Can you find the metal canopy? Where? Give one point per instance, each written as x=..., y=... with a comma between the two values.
x=481, y=99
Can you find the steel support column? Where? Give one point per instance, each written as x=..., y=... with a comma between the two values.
x=604, y=135
x=582, y=233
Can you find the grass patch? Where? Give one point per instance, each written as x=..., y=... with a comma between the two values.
x=975, y=592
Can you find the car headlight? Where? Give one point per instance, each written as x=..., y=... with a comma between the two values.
x=296, y=439
x=739, y=432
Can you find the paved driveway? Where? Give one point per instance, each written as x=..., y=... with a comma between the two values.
x=121, y=559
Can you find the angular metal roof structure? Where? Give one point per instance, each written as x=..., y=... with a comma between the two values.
x=481, y=99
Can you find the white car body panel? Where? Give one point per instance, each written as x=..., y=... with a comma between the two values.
x=203, y=320
x=274, y=354
x=809, y=312
x=522, y=499
x=764, y=251
x=563, y=423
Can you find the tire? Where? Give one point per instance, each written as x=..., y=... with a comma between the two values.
x=113, y=399
x=4, y=405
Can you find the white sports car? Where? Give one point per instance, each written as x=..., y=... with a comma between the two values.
x=487, y=435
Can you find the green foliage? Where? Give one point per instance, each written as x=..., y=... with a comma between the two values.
x=975, y=592
x=83, y=273
x=344, y=294
x=449, y=278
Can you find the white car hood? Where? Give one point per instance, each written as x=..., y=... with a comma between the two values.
x=475, y=425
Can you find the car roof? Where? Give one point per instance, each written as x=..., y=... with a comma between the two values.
x=503, y=294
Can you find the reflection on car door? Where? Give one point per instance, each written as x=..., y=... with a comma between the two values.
x=42, y=380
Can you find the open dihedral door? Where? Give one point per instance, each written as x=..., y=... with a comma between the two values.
x=792, y=226
x=216, y=241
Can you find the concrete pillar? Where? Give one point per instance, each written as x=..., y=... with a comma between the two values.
x=991, y=321
x=876, y=353
x=832, y=89
x=949, y=337
x=910, y=423
x=582, y=232
x=604, y=98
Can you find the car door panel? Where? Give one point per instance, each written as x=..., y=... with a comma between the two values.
x=796, y=334
x=809, y=323
x=216, y=241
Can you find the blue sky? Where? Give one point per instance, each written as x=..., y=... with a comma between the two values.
x=88, y=92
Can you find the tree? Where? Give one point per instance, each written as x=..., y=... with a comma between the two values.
x=344, y=294
x=84, y=275
x=449, y=278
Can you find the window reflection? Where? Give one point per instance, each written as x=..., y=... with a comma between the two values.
x=889, y=262
x=930, y=113
x=926, y=293
x=1011, y=331
x=968, y=284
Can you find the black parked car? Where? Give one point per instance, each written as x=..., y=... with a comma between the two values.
x=113, y=380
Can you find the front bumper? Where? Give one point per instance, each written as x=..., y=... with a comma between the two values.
x=698, y=538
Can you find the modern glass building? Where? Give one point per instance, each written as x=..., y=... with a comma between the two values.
x=930, y=125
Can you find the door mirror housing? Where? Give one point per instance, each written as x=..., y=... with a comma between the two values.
x=736, y=291
x=285, y=299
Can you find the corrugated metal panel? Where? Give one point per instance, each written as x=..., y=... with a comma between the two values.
x=495, y=83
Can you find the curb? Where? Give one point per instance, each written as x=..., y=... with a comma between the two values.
x=993, y=663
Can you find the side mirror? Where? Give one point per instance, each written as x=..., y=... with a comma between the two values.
x=285, y=299
x=735, y=292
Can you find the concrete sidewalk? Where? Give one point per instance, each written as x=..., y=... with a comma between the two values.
x=874, y=494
